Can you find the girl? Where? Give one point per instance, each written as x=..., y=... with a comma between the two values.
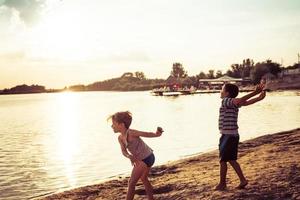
x=135, y=149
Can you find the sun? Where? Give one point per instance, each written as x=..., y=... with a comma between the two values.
x=63, y=35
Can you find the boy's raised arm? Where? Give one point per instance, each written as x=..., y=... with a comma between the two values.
x=241, y=101
x=254, y=100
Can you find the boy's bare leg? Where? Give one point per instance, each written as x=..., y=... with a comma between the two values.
x=147, y=184
x=238, y=170
x=223, y=172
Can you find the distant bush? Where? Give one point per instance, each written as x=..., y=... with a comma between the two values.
x=23, y=89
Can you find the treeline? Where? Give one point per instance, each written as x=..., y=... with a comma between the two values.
x=248, y=69
x=137, y=81
x=24, y=89
x=127, y=82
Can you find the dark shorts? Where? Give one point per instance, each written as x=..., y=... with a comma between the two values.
x=149, y=160
x=228, y=147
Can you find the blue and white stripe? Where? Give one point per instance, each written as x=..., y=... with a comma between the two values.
x=228, y=117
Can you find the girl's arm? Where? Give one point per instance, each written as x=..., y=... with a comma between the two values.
x=254, y=100
x=137, y=133
x=123, y=149
x=125, y=152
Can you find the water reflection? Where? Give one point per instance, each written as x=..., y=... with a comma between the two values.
x=52, y=142
x=68, y=133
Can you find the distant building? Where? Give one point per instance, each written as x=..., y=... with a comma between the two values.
x=219, y=82
x=290, y=75
x=289, y=72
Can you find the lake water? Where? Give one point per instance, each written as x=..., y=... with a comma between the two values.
x=53, y=142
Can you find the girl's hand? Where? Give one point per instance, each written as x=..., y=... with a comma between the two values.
x=132, y=160
x=159, y=131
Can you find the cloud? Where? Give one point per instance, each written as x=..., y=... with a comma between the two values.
x=28, y=10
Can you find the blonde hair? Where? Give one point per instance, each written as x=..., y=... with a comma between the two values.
x=122, y=117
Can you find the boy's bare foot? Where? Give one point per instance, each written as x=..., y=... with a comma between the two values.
x=242, y=185
x=221, y=187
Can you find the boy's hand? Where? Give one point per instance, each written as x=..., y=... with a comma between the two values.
x=262, y=95
x=159, y=131
x=259, y=88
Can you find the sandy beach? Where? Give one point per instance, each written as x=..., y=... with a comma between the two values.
x=271, y=163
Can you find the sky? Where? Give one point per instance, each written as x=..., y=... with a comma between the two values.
x=58, y=43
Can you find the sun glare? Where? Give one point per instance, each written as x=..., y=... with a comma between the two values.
x=68, y=133
x=62, y=35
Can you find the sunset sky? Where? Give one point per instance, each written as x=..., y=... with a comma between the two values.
x=58, y=43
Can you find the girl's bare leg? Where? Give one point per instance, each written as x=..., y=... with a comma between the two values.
x=137, y=172
x=147, y=184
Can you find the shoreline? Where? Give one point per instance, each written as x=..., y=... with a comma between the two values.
x=246, y=89
x=270, y=162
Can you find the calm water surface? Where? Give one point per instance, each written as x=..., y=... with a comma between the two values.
x=54, y=142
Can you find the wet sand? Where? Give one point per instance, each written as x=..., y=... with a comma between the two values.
x=271, y=163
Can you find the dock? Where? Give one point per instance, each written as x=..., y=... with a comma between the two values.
x=188, y=92
x=182, y=92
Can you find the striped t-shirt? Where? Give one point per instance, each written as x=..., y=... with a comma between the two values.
x=228, y=117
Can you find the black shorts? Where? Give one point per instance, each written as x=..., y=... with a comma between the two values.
x=149, y=160
x=228, y=147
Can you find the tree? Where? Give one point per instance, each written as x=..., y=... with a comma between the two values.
x=236, y=71
x=195, y=80
x=229, y=73
x=219, y=74
x=178, y=71
x=140, y=75
x=295, y=66
x=20, y=89
x=247, y=65
x=211, y=74
x=263, y=68
x=201, y=75
x=241, y=70
x=273, y=67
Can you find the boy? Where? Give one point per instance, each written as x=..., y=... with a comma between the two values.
x=228, y=145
